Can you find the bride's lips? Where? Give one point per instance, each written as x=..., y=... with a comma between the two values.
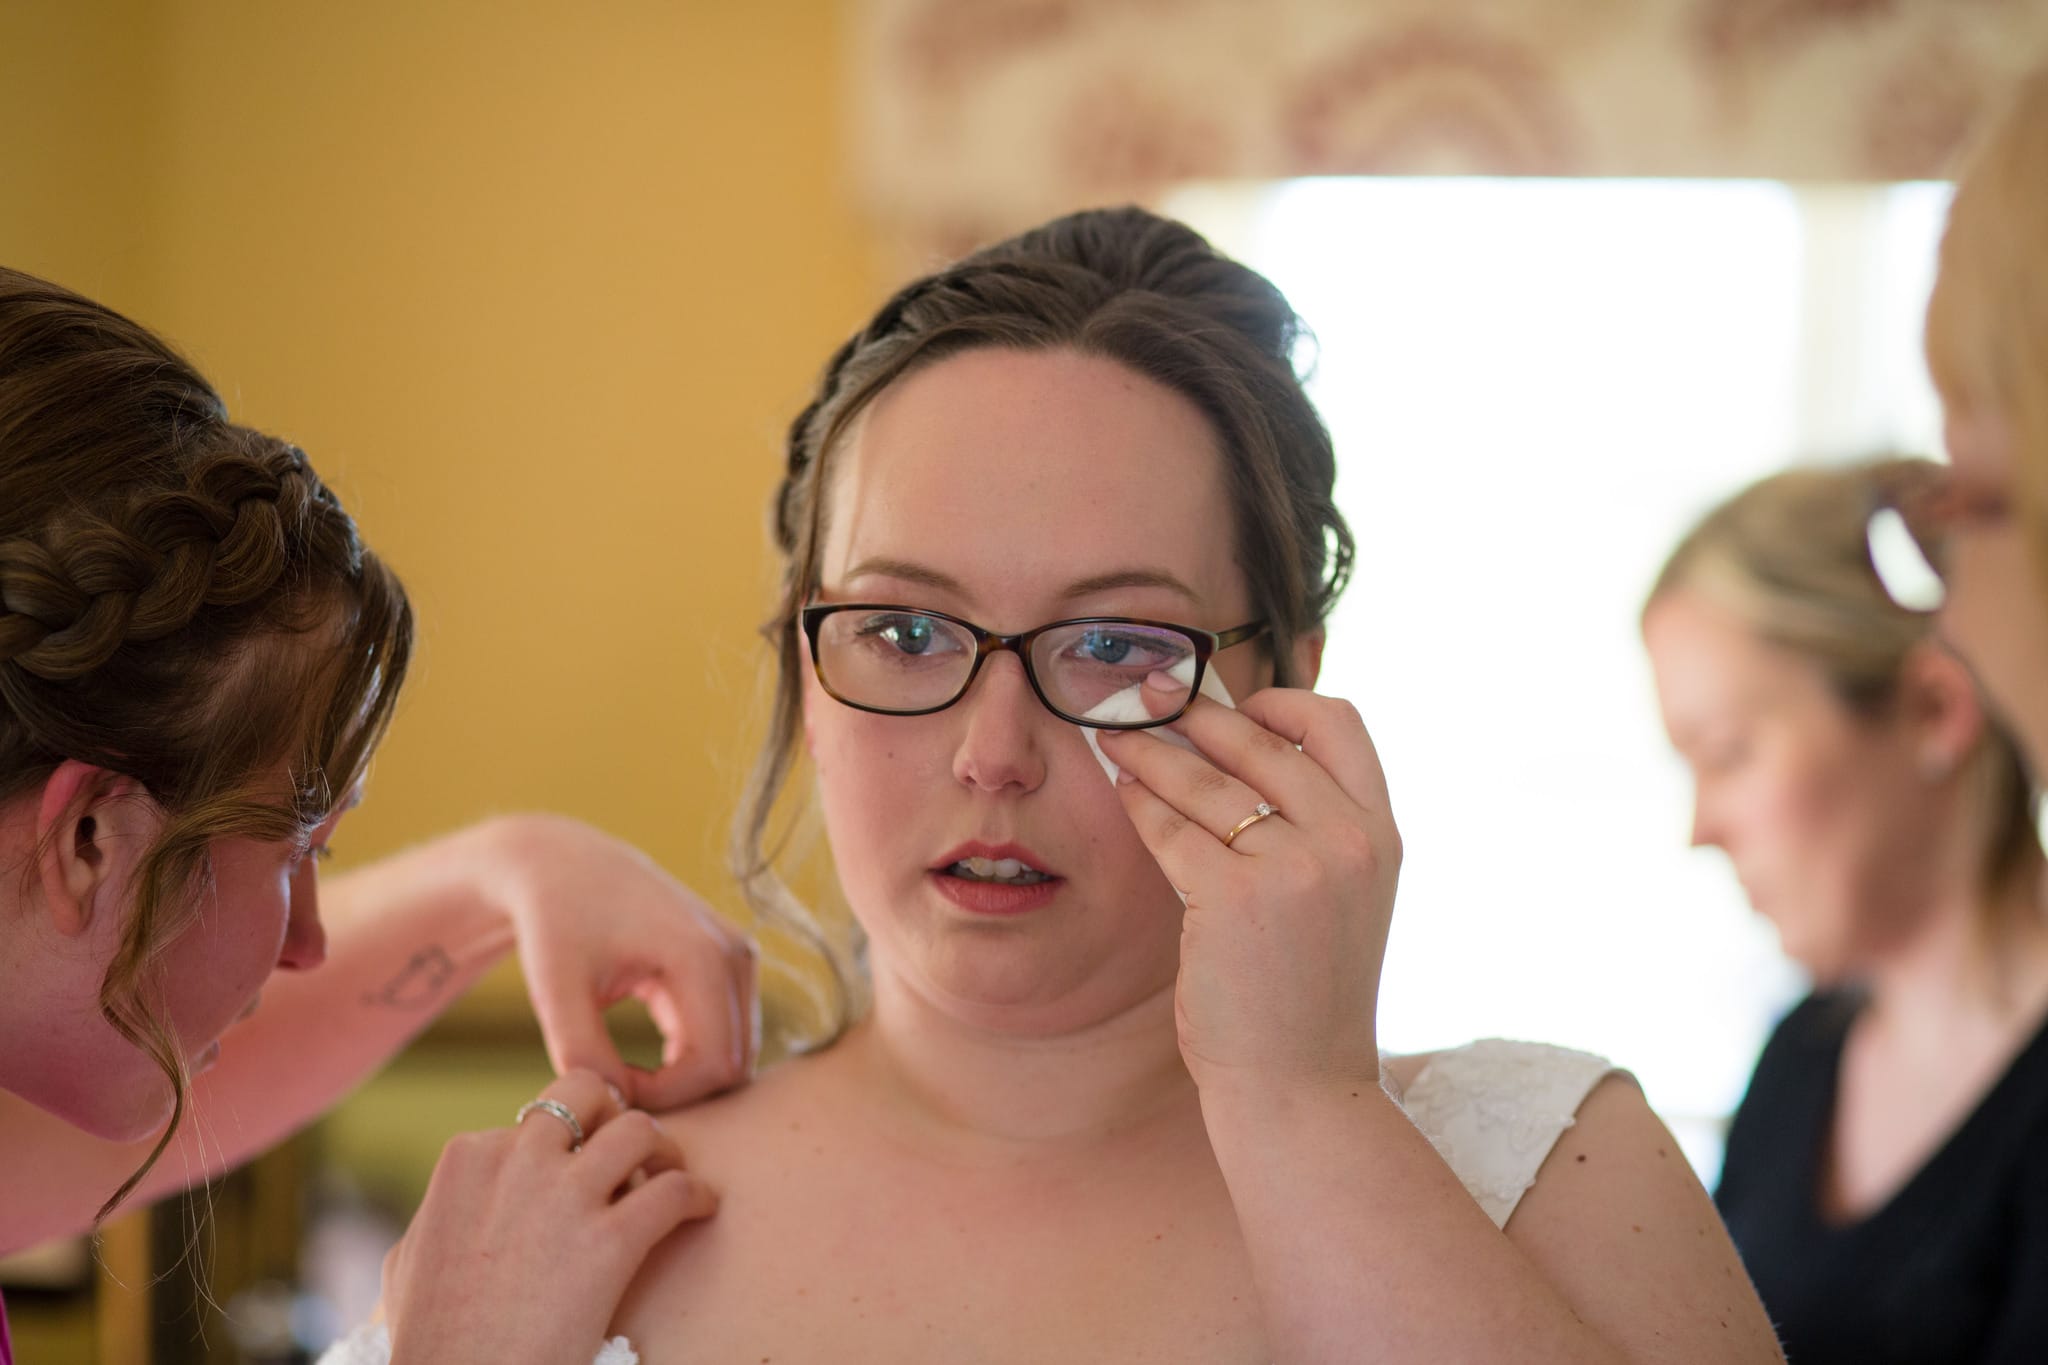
x=994, y=898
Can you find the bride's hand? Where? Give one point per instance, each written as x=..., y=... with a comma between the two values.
x=523, y=1247
x=1286, y=927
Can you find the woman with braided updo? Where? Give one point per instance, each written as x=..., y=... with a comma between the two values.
x=197, y=657
x=1113, y=1090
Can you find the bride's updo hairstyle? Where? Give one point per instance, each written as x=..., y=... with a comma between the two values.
x=183, y=602
x=1119, y=284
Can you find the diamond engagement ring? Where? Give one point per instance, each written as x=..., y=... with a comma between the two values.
x=1241, y=826
x=560, y=1111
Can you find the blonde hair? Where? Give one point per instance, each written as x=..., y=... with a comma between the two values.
x=1987, y=321
x=1788, y=556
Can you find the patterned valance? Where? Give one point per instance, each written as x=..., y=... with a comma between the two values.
x=973, y=117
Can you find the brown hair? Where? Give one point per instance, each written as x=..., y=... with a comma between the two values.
x=1789, y=555
x=1987, y=320
x=1124, y=285
x=183, y=602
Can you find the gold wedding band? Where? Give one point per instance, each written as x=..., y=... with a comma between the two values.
x=1241, y=826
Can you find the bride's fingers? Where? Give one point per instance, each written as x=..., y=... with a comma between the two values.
x=1194, y=787
x=1241, y=765
x=1327, y=730
x=1186, y=851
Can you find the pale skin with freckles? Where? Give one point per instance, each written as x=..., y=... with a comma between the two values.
x=1100, y=1130
x=1858, y=837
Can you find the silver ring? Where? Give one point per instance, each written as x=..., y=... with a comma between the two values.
x=1241, y=826
x=560, y=1111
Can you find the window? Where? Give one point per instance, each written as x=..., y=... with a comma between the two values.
x=1535, y=387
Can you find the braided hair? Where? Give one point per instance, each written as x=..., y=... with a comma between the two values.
x=1121, y=284
x=182, y=602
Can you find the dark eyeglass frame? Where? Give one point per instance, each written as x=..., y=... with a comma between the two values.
x=987, y=642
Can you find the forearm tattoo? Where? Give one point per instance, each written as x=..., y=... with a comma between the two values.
x=418, y=984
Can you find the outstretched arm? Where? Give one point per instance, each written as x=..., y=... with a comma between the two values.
x=594, y=922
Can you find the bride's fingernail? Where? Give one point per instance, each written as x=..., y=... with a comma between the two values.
x=618, y=1096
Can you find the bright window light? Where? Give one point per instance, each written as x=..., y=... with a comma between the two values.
x=1535, y=388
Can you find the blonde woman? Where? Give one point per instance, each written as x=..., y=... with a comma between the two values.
x=1985, y=525
x=1887, y=1173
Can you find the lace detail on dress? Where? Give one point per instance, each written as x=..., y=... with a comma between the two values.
x=1493, y=1109
x=370, y=1344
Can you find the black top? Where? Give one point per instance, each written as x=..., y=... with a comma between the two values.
x=1953, y=1268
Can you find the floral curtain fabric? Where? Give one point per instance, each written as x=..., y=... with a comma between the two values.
x=972, y=117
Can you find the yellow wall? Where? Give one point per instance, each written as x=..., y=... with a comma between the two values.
x=537, y=286
x=74, y=81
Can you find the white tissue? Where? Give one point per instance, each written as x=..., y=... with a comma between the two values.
x=1128, y=705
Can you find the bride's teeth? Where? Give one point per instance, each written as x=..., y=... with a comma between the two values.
x=998, y=870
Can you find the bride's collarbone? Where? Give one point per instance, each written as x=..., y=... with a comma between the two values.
x=837, y=1245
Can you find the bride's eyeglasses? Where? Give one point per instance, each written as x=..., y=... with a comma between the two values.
x=1917, y=510
x=906, y=661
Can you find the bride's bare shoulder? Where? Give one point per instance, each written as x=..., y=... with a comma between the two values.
x=783, y=1104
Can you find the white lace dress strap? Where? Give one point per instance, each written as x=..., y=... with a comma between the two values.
x=1493, y=1109
x=370, y=1344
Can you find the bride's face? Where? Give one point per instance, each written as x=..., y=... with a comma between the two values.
x=1011, y=489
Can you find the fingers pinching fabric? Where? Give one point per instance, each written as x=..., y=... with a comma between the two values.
x=558, y=1110
x=1241, y=826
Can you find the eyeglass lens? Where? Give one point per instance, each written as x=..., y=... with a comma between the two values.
x=905, y=661
x=1902, y=562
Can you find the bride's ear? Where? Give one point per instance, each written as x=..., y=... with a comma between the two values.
x=92, y=827
x=1308, y=658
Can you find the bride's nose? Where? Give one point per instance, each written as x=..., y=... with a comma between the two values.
x=1004, y=730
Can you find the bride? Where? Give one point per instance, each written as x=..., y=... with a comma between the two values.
x=1117, y=1094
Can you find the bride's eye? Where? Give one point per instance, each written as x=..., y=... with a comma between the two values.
x=907, y=634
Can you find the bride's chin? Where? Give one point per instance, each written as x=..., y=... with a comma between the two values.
x=1028, y=999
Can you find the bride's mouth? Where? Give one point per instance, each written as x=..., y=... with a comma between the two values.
x=995, y=879
x=1003, y=871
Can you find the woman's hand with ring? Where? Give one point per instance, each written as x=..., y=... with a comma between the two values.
x=529, y=1235
x=1286, y=927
